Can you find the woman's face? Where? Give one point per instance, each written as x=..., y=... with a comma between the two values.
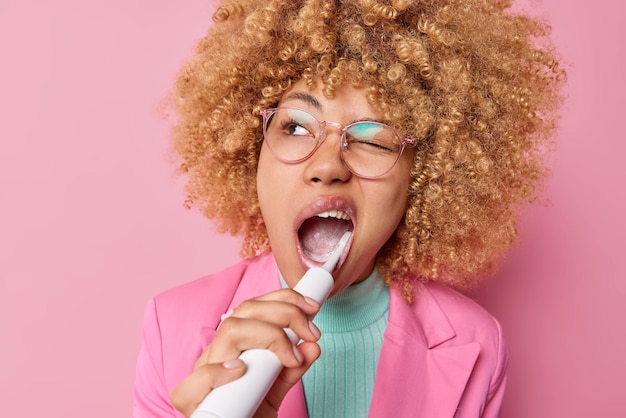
x=292, y=196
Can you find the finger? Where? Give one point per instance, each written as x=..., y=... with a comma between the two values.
x=237, y=335
x=307, y=304
x=281, y=314
x=188, y=394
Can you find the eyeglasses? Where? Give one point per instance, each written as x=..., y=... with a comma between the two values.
x=368, y=149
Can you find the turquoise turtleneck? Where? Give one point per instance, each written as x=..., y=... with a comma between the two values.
x=341, y=382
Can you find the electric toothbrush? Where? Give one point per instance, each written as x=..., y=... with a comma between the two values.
x=242, y=397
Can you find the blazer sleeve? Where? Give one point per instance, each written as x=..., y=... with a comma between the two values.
x=497, y=385
x=150, y=394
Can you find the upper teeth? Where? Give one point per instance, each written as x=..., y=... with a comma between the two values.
x=339, y=214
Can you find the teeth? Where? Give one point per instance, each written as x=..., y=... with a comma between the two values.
x=338, y=214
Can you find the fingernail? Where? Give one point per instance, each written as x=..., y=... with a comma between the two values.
x=312, y=302
x=315, y=330
x=232, y=364
x=298, y=354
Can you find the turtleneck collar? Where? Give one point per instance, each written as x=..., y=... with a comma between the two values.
x=356, y=307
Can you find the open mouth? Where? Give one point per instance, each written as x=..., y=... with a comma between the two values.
x=320, y=234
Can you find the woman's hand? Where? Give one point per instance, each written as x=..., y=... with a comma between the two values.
x=205, y=377
x=256, y=323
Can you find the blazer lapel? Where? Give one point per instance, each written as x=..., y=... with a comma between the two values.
x=421, y=372
x=294, y=404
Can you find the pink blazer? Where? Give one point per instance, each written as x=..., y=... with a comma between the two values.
x=442, y=356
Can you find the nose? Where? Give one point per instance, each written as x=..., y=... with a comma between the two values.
x=325, y=165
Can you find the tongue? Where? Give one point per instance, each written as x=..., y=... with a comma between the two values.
x=319, y=236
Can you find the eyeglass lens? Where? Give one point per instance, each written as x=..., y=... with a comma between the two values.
x=368, y=148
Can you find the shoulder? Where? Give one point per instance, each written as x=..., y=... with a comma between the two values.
x=442, y=316
x=179, y=323
x=194, y=295
x=471, y=322
x=201, y=302
x=459, y=308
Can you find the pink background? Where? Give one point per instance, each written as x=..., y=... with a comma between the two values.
x=92, y=223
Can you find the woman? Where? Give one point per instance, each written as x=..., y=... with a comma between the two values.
x=419, y=127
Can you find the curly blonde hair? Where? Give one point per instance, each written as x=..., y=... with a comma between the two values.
x=477, y=84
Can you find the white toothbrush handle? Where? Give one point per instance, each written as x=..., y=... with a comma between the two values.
x=242, y=397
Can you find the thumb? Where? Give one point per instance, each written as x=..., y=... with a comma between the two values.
x=190, y=392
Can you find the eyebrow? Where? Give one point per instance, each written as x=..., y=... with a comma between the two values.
x=312, y=101
x=304, y=97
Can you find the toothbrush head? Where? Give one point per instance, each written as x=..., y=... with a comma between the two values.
x=330, y=264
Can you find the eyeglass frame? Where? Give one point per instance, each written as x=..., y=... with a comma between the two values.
x=343, y=143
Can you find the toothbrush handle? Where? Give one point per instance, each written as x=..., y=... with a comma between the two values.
x=242, y=397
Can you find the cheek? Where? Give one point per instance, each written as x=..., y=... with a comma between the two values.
x=264, y=176
x=388, y=204
x=264, y=189
x=396, y=198
x=273, y=192
x=397, y=209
